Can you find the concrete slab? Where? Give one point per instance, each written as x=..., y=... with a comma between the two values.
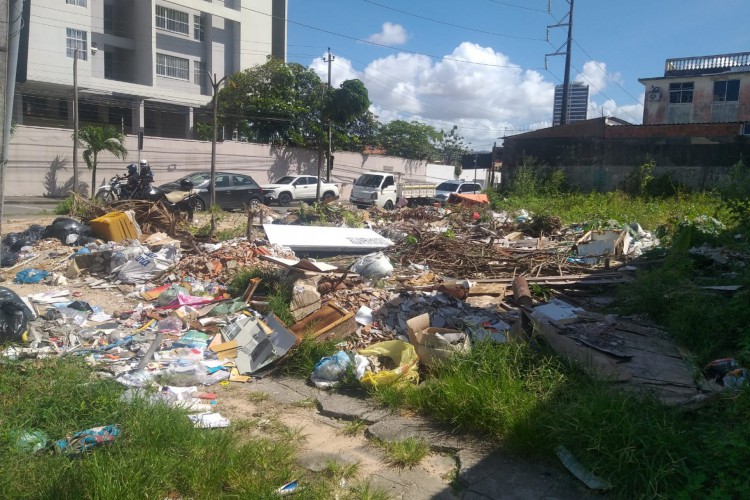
x=343, y=407
x=286, y=391
x=398, y=428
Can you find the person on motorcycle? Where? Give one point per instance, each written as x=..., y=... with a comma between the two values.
x=145, y=179
x=132, y=179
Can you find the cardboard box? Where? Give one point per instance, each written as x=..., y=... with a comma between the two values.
x=435, y=344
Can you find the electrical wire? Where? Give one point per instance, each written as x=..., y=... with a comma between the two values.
x=445, y=23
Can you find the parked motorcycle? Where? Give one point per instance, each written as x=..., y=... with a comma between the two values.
x=107, y=193
x=185, y=200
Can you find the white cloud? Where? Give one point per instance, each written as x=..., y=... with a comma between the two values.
x=391, y=34
x=486, y=100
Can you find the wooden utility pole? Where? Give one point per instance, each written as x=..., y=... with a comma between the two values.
x=212, y=186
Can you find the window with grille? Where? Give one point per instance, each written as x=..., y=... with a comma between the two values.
x=79, y=3
x=199, y=26
x=197, y=72
x=727, y=91
x=681, y=92
x=173, y=67
x=172, y=20
x=76, y=39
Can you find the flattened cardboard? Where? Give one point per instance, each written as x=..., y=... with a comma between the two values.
x=434, y=344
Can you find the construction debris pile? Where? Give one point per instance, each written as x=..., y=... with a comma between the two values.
x=433, y=281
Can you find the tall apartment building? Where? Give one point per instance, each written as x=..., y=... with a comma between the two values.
x=578, y=103
x=699, y=89
x=142, y=64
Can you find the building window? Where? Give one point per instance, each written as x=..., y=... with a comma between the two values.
x=173, y=67
x=172, y=20
x=199, y=26
x=79, y=3
x=76, y=39
x=197, y=73
x=727, y=91
x=680, y=93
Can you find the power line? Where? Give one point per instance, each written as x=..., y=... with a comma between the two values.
x=445, y=23
x=515, y=6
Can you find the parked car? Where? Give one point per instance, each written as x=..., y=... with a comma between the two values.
x=233, y=191
x=381, y=189
x=447, y=188
x=298, y=187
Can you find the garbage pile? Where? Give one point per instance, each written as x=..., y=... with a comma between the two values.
x=438, y=281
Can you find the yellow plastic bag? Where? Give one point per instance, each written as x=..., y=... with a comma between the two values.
x=402, y=354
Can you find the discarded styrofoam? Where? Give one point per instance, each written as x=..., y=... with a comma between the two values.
x=557, y=311
x=325, y=239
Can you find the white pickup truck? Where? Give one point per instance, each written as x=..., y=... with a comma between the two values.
x=383, y=190
x=298, y=187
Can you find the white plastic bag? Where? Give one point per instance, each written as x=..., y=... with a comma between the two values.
x=373, y=266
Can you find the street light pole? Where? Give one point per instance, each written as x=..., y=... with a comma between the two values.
x=75, y=120
x=330, y=133
x=215, y=85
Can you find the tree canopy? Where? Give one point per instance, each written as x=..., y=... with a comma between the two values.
x=288, y=104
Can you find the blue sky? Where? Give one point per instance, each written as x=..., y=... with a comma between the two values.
x=480, y=64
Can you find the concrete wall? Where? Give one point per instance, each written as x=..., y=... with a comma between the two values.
x=34, y=150
x=599, y=164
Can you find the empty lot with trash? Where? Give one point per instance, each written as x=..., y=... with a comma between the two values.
x=419, y=352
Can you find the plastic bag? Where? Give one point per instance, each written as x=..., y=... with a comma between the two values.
x=14, y=316
x=402, y=354
x=330, y=369
x=68, y=231
x=8, y=257
x=30, y=276
x=149, y=266
x=373, y=266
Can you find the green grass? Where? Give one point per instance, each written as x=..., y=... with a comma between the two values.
x=531, y=401
x=301, y=360
x=651, y=213
x=406, y=452
x=159, y=453
x=353, y=427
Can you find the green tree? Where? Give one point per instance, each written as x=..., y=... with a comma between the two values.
x=412, y=140
x=274, y=103
x=451, y=148
x=95, y=140
x=347, y=102
x=357, y=133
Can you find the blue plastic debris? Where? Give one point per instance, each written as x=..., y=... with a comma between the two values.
x=30, y=276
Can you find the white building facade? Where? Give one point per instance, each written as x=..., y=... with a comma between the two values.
x=578, y=103
x=143, y=65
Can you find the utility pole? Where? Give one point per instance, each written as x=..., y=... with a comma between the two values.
x=12, y=13
x=568, y=43
x=330, y=133
x=75, y=120
x=212, y=186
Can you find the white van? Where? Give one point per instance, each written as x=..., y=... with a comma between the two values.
x=374, y=188
x=383, y=190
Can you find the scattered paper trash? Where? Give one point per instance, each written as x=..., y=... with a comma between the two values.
x=208, y=420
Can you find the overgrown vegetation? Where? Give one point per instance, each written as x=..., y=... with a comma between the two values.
x=158, y=454
x=531, y=401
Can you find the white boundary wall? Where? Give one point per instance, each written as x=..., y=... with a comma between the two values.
x=34, y=149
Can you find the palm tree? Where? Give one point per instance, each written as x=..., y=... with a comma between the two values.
x=96, y=139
